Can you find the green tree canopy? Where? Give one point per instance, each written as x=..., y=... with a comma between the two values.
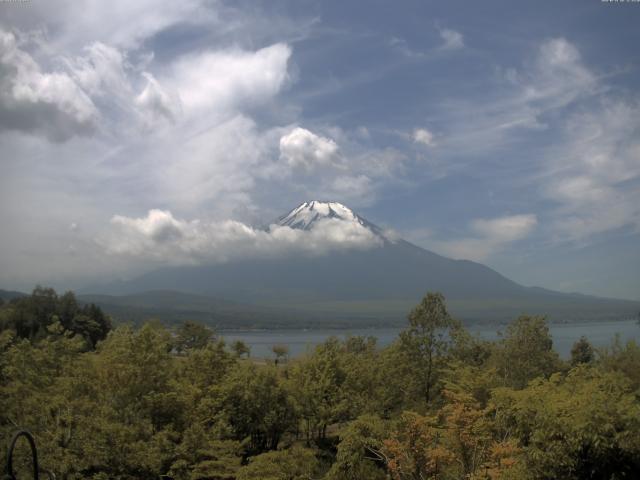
x=582, y=352
x=526, y=352
x=192, y=335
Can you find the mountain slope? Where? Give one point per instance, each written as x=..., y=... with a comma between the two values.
x=174, y=307
x=379, y=284
x=11, y=294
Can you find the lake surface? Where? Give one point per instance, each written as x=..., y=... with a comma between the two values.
x=301, y=341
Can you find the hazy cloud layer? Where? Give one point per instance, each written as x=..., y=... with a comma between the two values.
x=595, y=176
x=488, y=236
x=161, y=238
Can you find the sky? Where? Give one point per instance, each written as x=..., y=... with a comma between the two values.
x=137, y=134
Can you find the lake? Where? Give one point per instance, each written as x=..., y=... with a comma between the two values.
x=301, y=341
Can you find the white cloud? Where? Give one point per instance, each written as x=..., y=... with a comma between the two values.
x=161, y=238
x=100, y=90
x=216, y=167
x=452, y=39
x=559, y=76
x=94, y=93
x=339, y=166
x=122, y=23
x=302, y=149
x=505, y=229
x=594, y=174
x=521, y=102
x=156, y=103
x=35, y=101
x=590, y=164
x=101, y=71
x=191, y=125
x=423, y=136
x=220, y=81
x=490, y=236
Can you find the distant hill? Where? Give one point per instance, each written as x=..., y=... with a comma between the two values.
x=10, y=294
x=368, y=286
x=173, y=307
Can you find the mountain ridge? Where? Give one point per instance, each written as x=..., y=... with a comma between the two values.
x=380, y=283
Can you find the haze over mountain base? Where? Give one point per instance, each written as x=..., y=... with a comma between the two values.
x=375, y=284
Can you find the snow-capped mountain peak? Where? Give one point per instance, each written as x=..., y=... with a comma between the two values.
x=306, y=215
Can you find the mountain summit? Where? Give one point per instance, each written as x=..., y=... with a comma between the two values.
x=308, y=214
x=316, y=214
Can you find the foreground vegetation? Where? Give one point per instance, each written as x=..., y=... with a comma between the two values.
x=438, y=403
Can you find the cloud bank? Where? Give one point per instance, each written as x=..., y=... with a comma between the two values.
x=32, y=100
x=161, y=238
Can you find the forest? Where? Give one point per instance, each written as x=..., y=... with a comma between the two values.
x=121, y=402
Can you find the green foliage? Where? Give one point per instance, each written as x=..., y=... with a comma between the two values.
x=294, y=463
x=526, y=352
x=200, y=455
x=582, y=352
x=240, y=348
x=624, y=359
x=281, y=352
x=150, y=403
x=30, y=317
x=255, y=405
x=359, y=451
x=317, y=390
x=582, y=425
x=192, y=335
x=424, y=345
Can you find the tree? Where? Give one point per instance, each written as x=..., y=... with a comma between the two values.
x=132, y=408
x=582, y=352
x=67, y=309
x=133, y=375
x=30, y=317
x=192, y=335
x=359, y=453
x=622, y=358
x=294, y=463
x=240, y=348
x=203, y=456
x=317, y=387
x=426, y=341
x=582, y=425
x=364, y=380
x=255, y=406
x=525, y=352
x=93, y=328
x=205, y=367
x=415, y=450
x=281, y=352
x=471, y=437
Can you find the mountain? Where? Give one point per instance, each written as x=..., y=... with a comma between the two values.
x=10, y=294
x=173, y=306
x=309, y=214
x=377, y=284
